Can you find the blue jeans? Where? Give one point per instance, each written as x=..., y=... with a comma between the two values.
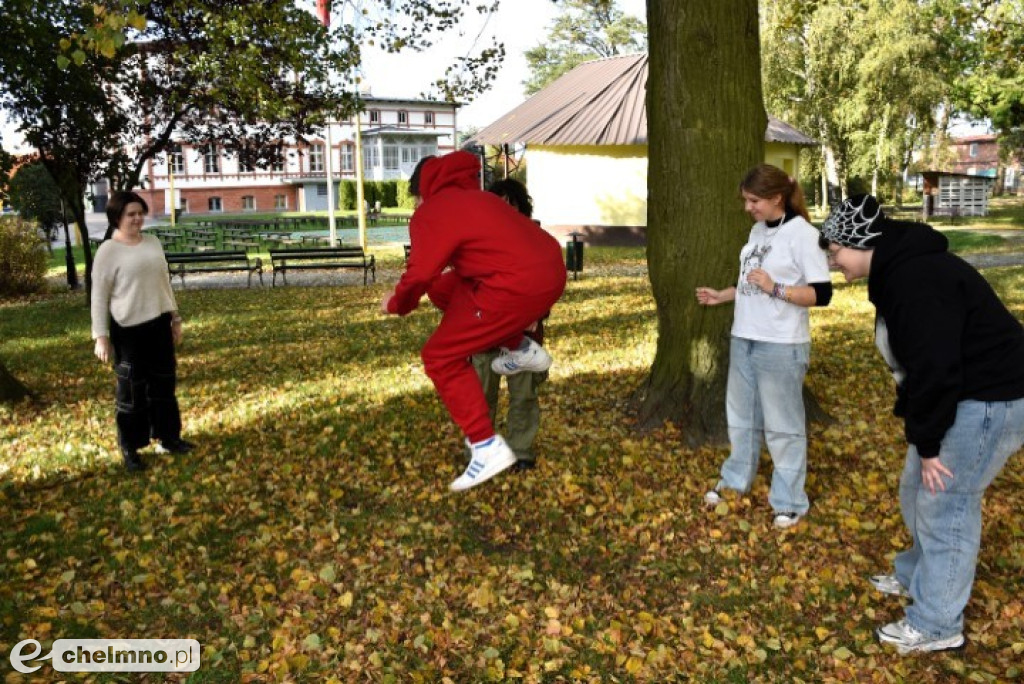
x=764, y=396
x=946, y=526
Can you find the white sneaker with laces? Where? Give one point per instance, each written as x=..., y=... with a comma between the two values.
x=888, y=584
x=490, y=457
x=785, y=520
x=908, y=638
x=534, y=358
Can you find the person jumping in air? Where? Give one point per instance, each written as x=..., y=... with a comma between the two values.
x=503, y=274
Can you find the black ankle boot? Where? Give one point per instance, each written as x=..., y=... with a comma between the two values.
x=133, y=463
x=176, y=446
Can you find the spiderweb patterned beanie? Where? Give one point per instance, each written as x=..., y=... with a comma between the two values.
x=856, y=223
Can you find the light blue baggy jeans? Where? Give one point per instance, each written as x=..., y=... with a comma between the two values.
x=764, y=397
x=945, y=526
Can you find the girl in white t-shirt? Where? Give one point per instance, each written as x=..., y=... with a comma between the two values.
x=783, y=272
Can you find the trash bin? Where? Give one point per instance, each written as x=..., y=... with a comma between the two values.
x=574, y=255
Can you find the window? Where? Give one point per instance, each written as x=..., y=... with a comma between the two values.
x=403, y=117
x=248, y=203
x=215, y=204
x=391, y=156
x=177, y=161
x=348, y=158
x=321, y=190
x=973, y=150
x=280, y=201
x=278, y=163
x=211, y=159
x=371, y=158
x=375, y=116
x=316, y=158
x=245, y=164
x=428, y=118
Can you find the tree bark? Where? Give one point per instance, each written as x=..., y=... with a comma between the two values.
x=11, y=389
x=706, y=125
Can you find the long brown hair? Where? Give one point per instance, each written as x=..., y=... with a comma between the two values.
x=765, y=180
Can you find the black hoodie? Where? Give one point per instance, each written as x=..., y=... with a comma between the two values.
x=950, y=336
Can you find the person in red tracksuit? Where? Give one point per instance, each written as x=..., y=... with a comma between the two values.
x=504, y=273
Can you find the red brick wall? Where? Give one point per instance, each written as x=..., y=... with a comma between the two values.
x=230, y=199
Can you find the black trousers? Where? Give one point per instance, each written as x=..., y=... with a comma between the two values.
x=145, y=367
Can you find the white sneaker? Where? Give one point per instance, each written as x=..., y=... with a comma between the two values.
x=712, y=498
x=534, y=359
x=785, y=520
x=489, y=458
x=888, y=584
x=907, y=638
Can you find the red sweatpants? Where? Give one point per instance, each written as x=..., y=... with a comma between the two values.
x=469, y=326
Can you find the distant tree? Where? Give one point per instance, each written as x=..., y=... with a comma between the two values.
x=36, y=196
x=6, y=164
x=866, y=79
x=700, y=140
x=585, y=30
x=994, y=88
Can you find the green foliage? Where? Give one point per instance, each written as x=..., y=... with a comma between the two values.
x=389, y=193
x=23, y=257
x=371, y=193
x=405, y=198
x=585, y=30
x=866, y=79
x=994, y=88
x=36, y=197
x=348, y=195
x=6, y=162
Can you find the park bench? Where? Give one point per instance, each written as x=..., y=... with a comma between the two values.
x=180, y=263
x=284, y=260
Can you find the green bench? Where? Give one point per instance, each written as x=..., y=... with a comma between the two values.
x=322, y=258
x=181, y=263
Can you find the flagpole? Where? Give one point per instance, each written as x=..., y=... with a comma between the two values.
x=360, y=193
x=323, y=11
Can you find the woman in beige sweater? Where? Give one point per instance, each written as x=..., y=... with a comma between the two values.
x=135, y=323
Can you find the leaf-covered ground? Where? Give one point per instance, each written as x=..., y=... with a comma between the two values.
x=312, y=537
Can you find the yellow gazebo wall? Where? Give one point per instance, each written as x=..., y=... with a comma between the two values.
x=600, y=185
x=605, y=185
x=783, y=155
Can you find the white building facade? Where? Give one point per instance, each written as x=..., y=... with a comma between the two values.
x=395, y=135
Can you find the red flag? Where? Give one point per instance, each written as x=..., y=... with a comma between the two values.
x=323, y=10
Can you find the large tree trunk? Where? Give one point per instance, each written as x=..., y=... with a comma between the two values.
x=706, y=125
x=11, y=388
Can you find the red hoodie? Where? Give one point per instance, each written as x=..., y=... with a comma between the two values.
x=480, y=236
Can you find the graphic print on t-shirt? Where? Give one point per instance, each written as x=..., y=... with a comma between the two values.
x=753, y=260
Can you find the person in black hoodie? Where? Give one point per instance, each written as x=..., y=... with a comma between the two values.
x=957, y=355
